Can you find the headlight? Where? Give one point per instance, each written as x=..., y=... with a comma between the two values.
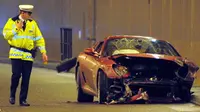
x=120, y=70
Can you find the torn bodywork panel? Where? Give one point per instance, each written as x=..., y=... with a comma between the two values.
x=151, y=80
x=66, y=65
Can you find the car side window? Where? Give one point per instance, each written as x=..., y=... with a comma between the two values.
x=98, y=47
x=95, y=45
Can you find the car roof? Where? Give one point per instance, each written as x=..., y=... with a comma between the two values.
x=131, y=36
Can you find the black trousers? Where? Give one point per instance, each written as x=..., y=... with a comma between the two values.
x=20, y=68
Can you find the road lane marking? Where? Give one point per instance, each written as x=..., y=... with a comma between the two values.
x=69, y=75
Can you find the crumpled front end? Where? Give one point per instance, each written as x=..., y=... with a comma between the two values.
x=130, y=91
x=148, y=80
x=124, y=94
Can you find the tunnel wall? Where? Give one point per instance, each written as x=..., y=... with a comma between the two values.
x=176, y=21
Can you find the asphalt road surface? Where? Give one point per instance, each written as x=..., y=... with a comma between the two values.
x=53, y=92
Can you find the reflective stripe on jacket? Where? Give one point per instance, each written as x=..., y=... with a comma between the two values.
x=28, y=39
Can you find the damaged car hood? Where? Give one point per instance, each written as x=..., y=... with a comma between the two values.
x=148, y=55
x=178, y=60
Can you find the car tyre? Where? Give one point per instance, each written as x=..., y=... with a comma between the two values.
x=185, y=94
x=103, y=85
x=81, y=96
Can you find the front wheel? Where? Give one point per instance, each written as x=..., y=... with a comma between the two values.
x=103, y=85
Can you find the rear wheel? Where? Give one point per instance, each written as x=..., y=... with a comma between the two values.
x=103, y=85
x=81, y=96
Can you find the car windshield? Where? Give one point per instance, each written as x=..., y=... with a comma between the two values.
x=138, y=45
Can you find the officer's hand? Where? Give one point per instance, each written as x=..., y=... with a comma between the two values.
x=44, y=57
x=19, y=24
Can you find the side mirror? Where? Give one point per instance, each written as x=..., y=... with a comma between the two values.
x=89, y=51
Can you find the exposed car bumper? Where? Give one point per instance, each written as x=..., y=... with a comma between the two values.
x=130, y=91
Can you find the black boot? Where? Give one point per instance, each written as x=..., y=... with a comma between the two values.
x=12, y=100
x=24, y=103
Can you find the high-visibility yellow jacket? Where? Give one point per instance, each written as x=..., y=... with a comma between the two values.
x=28, y=39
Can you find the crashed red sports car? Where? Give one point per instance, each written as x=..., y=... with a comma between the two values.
x=127, y=68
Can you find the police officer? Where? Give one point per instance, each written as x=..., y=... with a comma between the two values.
x=23, y=35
